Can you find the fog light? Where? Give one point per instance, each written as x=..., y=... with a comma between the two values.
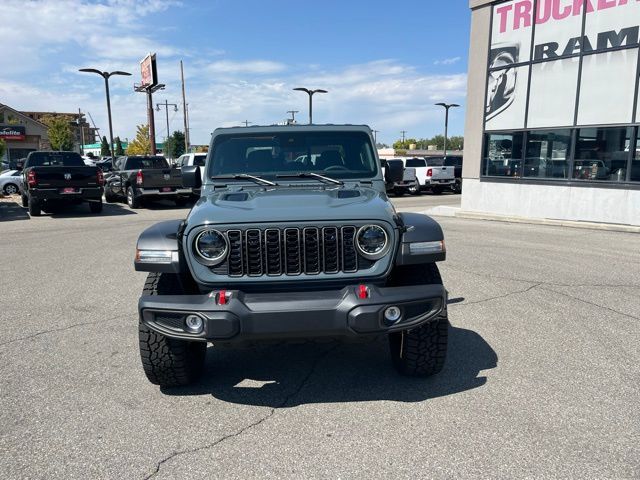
x=392, y=315
x=194, y=323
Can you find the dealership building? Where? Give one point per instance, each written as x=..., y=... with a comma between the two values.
x=552, y=112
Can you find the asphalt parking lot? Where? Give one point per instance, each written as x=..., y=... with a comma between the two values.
x=542, y=378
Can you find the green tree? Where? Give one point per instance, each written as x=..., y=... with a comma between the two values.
x=141, y=145
x=59, y=132
x=174, y=146
x=105, y=151
x=119, y=149
x=455, y=143
x=400, y=145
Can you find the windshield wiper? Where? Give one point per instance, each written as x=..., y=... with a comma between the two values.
x=317, y=176
x=244, y=176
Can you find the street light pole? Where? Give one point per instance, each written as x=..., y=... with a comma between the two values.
x=446, y=121
x=310, y=93
x=166, y=106
x=106, y=76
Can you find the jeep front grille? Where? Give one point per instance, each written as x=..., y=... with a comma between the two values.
x=291, y=251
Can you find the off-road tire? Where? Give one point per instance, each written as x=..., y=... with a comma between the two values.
x=34, y=207
x=95, y=207
x=166, y=361
x=25, y=200
x=132, y=200
x=421, y=351
x=457, y=186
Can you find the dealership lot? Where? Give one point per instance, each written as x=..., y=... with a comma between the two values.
x=542, y=377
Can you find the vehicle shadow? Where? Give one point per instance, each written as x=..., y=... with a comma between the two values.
x=166, y=205
x=286, y=375
x=10, y=211
x=82, y=210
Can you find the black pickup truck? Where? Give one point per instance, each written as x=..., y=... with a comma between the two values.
x=138, y=178
x=60, y=178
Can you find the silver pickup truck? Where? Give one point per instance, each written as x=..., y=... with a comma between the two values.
x=432, y=174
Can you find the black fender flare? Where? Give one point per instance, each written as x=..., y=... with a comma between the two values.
x=162, y=237
x=416, y=227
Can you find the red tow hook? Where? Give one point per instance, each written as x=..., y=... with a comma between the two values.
x=221, y=298
x=363, y=292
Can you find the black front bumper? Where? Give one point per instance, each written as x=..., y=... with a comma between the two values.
x=292, y=315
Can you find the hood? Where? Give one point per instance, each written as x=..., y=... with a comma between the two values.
x=292, y=204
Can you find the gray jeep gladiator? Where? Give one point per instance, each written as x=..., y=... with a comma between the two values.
x=292, y=237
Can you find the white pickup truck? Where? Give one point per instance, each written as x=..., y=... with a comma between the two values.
x=432, y=174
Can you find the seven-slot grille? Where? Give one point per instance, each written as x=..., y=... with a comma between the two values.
x=290, y=251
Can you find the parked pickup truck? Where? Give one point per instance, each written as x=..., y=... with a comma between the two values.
x=432, y=174
x=409, y=182
x=60, y=178
x=139, y=178
x=293, y=237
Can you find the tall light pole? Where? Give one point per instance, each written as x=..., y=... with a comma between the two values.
x=446, y=121
x=293, y=115
x=310, y=93
x=166, y=106
x=106, y=76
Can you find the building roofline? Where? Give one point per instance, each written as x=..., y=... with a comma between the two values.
x=13, y=110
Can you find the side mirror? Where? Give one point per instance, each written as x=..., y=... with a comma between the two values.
x=393, y=172
x=191, y=177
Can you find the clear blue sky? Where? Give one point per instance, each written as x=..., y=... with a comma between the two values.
x=384, y=63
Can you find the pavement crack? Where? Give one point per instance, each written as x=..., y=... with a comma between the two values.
x=517, y=292
x=61, y=329
x=237, y=433
x=592, y=303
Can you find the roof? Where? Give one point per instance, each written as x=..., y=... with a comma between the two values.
x=293, y=128
x=20, y=114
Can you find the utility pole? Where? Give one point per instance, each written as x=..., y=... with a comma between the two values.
x=184, y=111
x=81, y=131
x=166, y=106
x=375, y=136
x=246, y=123
x=293, y=115
x=403, y=133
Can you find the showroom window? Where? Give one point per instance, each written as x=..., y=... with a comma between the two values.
x=548, y=154
x=503, y=154
x=602, y=154
x=635, y=164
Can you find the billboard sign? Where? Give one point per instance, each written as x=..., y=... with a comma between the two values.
x=149, y=71
x=12, y=132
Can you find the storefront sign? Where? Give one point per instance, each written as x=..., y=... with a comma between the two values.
x=12, y=132
x=534, y=65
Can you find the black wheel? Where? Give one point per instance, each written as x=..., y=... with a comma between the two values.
x=398, y=192
x=436, y=190
x=34, y=207
x=132, y=200
x=457, y=187
x=110, y=197
x=11, y=189
x=168, y=362
x=25, y=200
x=181, y=201
x=95, y=206
x=417, y=191
x=421, y=351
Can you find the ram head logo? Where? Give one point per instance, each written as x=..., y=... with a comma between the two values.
x=67, y=176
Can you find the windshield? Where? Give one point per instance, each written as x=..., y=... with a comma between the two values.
x=141, y=163
x=340, y=155
x=52, y=159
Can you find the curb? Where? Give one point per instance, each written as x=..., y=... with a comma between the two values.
x=443, y=211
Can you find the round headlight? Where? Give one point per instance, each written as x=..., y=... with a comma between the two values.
x=211, y=246
x=372, y=241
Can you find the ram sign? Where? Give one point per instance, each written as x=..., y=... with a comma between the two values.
x=568, y=63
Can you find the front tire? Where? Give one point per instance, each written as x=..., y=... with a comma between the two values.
x=11, y=189
x=421, y=351
x=166, y=361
